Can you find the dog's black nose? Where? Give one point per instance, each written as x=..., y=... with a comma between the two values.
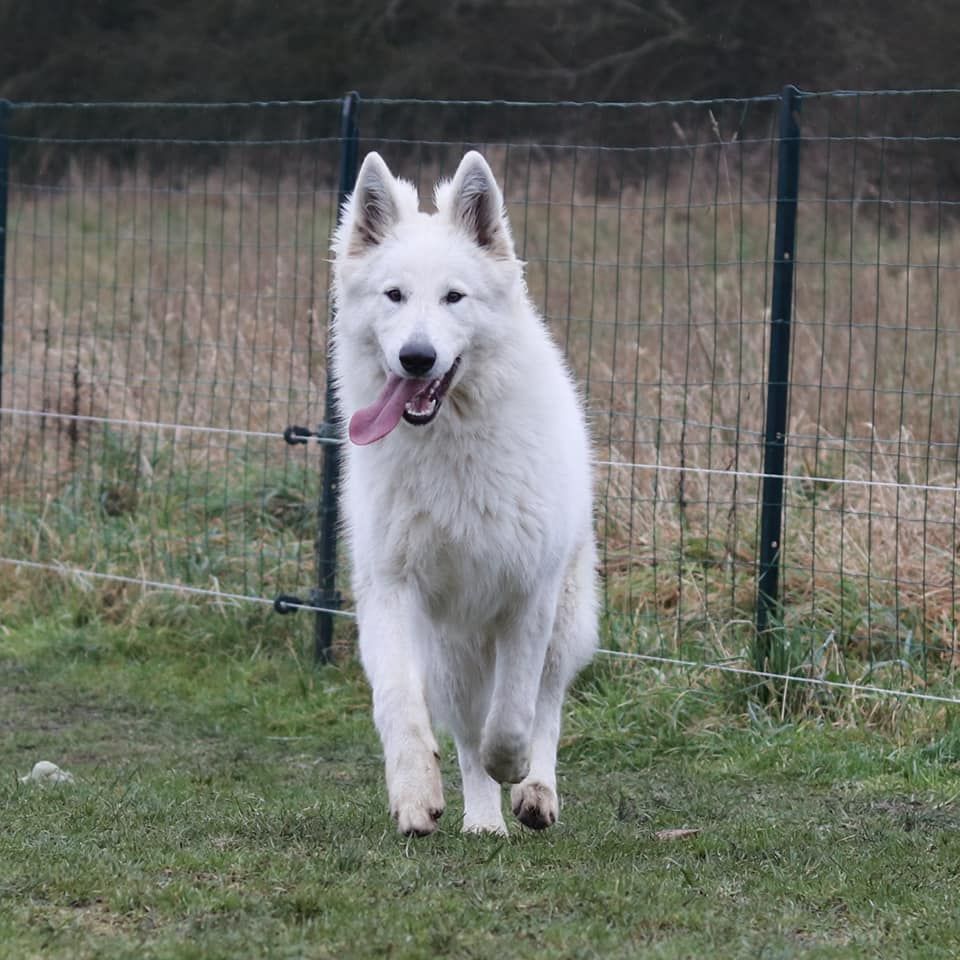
x=418, y=358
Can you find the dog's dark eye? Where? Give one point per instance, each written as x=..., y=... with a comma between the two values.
x=453, y=296
x=394, y=294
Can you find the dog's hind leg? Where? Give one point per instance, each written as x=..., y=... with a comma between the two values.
x=482, y=810
x=400, y=712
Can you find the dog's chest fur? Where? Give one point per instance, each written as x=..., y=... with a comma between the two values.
x=467, y=530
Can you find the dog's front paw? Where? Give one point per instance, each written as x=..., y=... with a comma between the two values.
x=416, y=797
x=417, y=819
x=535, y=805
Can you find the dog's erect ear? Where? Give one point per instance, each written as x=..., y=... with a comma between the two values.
x=476, y=206
x=373, y=209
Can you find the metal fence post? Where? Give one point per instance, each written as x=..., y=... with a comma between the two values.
x=4, y=180
x=326, y=594
x=778, y=387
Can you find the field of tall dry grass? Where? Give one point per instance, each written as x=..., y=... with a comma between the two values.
x=162, y=329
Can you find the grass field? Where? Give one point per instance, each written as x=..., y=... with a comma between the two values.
x=229, y=802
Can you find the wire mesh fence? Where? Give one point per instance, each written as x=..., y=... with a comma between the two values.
x=165, y=321
x=166, y=313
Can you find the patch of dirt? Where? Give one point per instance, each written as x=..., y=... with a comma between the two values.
x=72, y=728
x=910, y=813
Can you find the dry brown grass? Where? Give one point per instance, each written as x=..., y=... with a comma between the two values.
x=204, y=303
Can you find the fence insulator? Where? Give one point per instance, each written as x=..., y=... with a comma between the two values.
x=294, y=434
x=287, y=603
x=325, y=433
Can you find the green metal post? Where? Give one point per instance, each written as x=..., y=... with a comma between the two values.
x=778, y=386
x=326, y=595
x=4, y=181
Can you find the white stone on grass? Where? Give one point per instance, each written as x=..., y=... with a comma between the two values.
x=46, y=772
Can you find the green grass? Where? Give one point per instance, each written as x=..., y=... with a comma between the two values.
x=229, y=803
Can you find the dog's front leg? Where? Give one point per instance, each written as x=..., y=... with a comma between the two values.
x=505, y=747
x=400, y=713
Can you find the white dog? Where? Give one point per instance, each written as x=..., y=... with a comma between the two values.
x=470, y=521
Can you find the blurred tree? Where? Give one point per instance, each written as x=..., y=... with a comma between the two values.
x=543, y=49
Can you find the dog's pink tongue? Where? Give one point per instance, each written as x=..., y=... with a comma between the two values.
x=376, y=421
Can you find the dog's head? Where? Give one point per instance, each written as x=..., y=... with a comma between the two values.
x=420, y=297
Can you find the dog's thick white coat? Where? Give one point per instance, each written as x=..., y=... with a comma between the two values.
x=472, y=535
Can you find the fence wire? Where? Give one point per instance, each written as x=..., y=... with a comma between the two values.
x=165, y=321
